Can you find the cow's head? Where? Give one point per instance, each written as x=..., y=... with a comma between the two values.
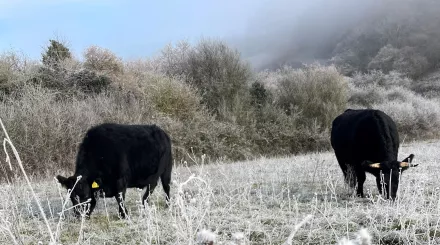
x=388, y=172
x=81, y=192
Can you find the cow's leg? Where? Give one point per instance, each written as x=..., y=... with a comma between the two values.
x=351, y=178
x=379, y=184
x=92, y=206
x=166, y=180
x=121, y=188
x=165, y=177
x=360, y=174
x=120, y=198
x=150, y=189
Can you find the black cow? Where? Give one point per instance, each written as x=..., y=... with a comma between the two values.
x=367, y=141
x=114, y=157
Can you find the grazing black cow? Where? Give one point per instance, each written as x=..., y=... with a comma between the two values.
x=367, y=141
x=114, y=157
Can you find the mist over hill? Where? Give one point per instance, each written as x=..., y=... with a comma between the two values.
x=352, y=34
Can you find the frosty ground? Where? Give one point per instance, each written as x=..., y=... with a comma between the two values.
x=262, y=198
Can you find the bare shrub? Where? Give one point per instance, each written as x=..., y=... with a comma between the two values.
x=410, y=62
x=174, y=59
x=56, y=76
x=213, y=68
x=377, y=87
x=316, y=93
x=9, y=65
x=347, y=62
x=15, y=69
x=102, y=60
x=299, y=105
x=269, y=78
x=427, y=89
x=167, y=95
x=406, y=61
x=384, y=60
x=428, y=86
x=172, y=97
x=48, y=128
x=415, y=116
x=137, y=67
x=378, y=78
x=271, y=113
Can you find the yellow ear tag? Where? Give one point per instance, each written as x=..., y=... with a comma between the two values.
x=95, y=185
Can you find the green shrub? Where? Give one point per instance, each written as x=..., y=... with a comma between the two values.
x=87, y=81
x=55, y=53
x=259, y=95
x=50, y=78
x=70, y=78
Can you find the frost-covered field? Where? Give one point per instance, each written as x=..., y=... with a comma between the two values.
x=263, y=199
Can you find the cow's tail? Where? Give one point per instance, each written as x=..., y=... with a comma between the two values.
x=167, y=161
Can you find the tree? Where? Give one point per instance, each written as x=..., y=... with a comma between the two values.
x=55, y=53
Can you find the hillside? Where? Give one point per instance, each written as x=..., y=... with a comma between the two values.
x=357, y=36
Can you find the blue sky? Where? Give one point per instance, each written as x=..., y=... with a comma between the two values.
x=130, y=29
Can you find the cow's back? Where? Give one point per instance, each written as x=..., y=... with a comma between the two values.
x=134, y=152
x=368, y=134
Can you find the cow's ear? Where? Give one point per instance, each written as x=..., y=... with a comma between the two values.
x=404, y=165
x=407, y=162
x=375, y=165
x=63, y=181
x=371, y=165
x=409, y=159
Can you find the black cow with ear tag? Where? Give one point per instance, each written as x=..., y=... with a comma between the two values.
x=367, y=140
x=114, y=157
